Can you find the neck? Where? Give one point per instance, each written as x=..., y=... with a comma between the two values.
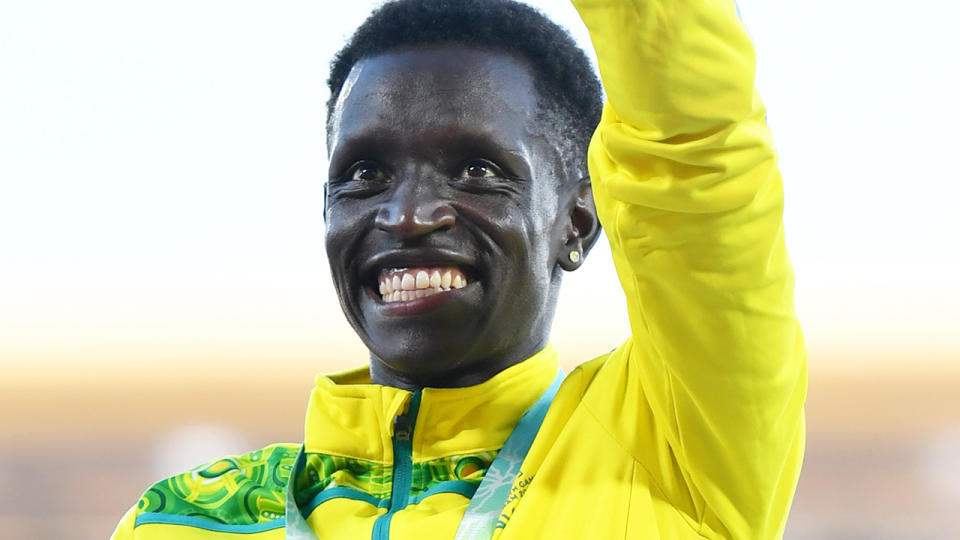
x=474, y=373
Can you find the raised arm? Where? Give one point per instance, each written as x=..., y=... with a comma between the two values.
x=686, y=184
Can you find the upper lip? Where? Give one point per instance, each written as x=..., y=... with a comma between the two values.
x=415, y=257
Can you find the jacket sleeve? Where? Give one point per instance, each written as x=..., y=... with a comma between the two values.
x=686, y=184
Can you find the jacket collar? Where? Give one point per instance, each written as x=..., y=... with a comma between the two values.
x=351, y=417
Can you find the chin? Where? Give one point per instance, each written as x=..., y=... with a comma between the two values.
x=429, y=352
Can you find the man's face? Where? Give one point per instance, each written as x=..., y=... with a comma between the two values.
x=442, y=205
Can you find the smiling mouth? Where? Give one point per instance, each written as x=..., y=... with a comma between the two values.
x=406, y=284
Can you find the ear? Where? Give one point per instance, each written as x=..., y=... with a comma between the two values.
x=582, y=227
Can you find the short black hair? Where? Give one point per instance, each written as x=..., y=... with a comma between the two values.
x=570, y=93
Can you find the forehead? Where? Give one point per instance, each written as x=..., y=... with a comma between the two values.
x=436, y=90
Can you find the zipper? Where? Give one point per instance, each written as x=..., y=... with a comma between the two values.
x=403, y=425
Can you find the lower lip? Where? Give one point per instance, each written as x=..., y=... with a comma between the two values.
x=417, y=305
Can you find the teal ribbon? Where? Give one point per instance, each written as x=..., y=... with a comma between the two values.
x=296, y=526
x=485, y=508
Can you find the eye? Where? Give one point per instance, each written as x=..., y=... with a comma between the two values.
x=362, y=179
x=485, y=177
x=479, y=168
x=366, y=171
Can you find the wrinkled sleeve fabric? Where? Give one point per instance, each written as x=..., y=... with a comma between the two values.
x=687, y=187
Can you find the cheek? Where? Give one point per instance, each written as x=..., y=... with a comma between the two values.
x=524, y=232
x=344, y=229
x=538, y=228
x=527, y=243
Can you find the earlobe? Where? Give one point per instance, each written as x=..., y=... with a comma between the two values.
x=573, y=259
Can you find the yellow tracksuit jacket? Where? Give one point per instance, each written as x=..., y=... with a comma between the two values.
x=692, y=428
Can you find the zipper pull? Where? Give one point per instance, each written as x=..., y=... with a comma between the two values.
x=402, y=427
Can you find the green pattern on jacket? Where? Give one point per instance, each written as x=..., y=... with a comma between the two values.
x=250, y=489
x=236, y=490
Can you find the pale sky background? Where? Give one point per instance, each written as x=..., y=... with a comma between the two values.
x=161, y=171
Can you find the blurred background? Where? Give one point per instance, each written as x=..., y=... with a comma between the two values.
x=164, y=292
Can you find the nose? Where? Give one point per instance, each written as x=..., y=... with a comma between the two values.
x=416, y=209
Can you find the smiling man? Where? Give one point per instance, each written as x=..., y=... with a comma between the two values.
x=460, y=190
x=450, y=212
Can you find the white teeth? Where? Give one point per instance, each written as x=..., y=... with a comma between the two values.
x=404, y=286
x=423, y=280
